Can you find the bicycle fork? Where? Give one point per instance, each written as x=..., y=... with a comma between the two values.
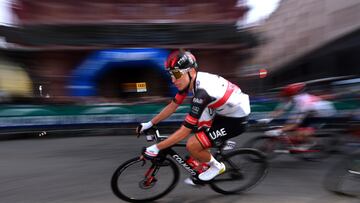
x=149, y=177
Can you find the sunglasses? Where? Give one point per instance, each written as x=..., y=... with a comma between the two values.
x=177, y=73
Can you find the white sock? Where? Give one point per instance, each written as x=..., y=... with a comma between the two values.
x=214, y=162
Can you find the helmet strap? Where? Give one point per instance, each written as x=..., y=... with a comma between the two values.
x=188, y=86
x=186, y=89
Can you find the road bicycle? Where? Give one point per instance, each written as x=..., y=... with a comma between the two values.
x=286, y=143
x=344, y=177
x=142, y=180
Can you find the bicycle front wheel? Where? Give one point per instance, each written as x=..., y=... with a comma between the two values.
x=344, y=177
x=267, y=145
x=244, y=169
x=140, y=180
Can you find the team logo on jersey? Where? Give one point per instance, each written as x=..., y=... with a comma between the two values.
x=198, y=100
x=195, y=109
x=218, y=133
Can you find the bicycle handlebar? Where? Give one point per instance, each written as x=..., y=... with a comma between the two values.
x=153, y=136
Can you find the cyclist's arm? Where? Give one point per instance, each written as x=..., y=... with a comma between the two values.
x=174, y=138
x=170, y=108
x=280, y=110
x=165, y=113
x=276, y=113
x=294, y=121
x=200, y=101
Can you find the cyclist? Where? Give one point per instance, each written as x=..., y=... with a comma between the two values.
x=218, y=111
x=305, y=114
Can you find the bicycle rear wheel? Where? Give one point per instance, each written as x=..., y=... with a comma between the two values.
x=244, y=169
x=140, y=180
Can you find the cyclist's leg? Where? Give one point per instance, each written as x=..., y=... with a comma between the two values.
x=198, y=146
x=306, y=129
x=302, y=131
x=223, y=128
x=302, y=136
x=199, y=149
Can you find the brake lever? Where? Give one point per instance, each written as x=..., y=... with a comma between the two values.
x=138, y=128
x=145, y=132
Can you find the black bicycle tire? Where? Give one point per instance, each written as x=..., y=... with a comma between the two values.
x=335, y=176
x=122, y=167
x=259, y=176
x=252, y=142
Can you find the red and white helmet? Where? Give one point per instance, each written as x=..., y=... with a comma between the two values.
x=180, y=60
x=293, y=89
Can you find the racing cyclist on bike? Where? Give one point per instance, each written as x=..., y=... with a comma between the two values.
x=218, y=112
x=304, y=117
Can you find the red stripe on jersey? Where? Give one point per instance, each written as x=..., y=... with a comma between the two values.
x=179, y=98
x=203, y=139
x=191, y=119
x=205, y=123
x=229, y=90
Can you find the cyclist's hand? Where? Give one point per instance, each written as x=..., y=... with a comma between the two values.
x=151, y=152
x=274, y=133
x=264, y=120
x=143, y=126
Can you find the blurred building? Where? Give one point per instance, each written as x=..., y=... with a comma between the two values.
x=310, y=39
x=52, y=38
x=14, y=81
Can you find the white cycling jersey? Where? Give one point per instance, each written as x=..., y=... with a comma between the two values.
x=310, y=105
x=214, y=95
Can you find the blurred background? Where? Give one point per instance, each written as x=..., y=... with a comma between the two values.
x=92, y=68
x=87, y=62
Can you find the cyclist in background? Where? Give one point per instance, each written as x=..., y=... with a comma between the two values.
x=218, y=111
x=304, y=117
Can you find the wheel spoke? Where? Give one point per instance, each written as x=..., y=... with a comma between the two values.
x=135, y=181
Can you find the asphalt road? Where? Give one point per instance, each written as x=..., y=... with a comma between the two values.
x=78, y=170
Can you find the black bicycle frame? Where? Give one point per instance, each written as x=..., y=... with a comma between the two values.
x=179, y=159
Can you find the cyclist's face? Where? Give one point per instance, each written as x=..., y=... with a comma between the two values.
x=182, y=82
